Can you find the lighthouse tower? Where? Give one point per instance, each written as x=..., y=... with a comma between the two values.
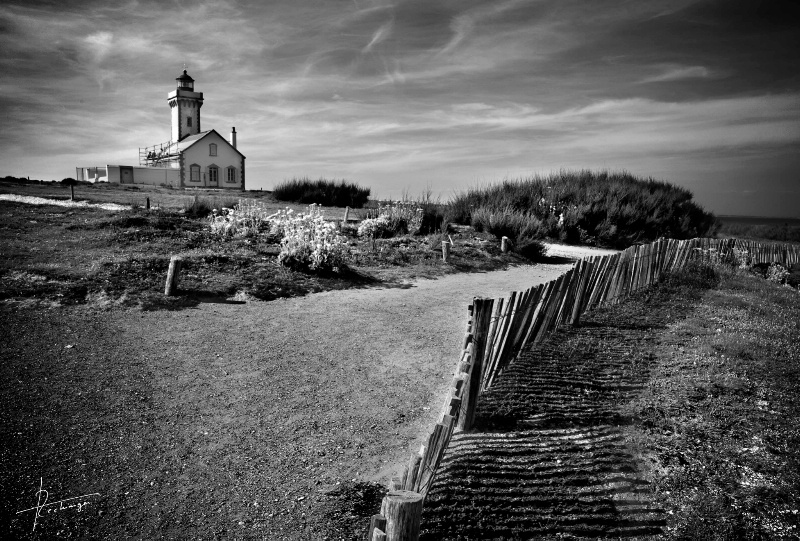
x=185, y=104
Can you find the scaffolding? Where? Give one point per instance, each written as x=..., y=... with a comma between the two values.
x=160, y=155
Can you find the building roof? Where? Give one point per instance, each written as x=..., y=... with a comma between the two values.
x=189, y=141
x=184, y=77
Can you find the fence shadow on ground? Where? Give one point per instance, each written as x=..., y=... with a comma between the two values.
x=548, y=456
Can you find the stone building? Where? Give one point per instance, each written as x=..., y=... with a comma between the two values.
x=191, y=158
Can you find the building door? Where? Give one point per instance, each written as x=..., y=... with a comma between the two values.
x=213, y=175
x=126, y=175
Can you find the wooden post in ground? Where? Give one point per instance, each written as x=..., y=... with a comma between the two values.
x=403, y=512
x=445, y=251
x=171, y=288
x=377, y=522
x=147, y=203
x=504, y=245
x=71, y=192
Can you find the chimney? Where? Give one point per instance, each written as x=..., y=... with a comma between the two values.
x=233, y=137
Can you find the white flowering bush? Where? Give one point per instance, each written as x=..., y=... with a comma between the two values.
x=777, y=273
x=393, y=218
x=374, y=228
x=741, y=259
x=309, y=242
x=247, y=218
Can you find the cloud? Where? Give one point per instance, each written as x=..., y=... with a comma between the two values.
x=678, y=73
x=429, y=89
x=380, y=35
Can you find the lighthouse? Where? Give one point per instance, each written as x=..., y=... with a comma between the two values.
x=185, y=104
x=190, y=159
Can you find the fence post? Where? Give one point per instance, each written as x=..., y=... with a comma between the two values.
x=71, y=192
x=147, y=203
x=403, y=512
x=504, y=245
x=445, y=251
x=171, y=286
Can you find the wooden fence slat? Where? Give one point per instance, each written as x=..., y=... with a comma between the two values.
x=494, y=356
x=444, y=432
x=413, y=469
x=469, y=400
x=555, y=303
x=578, y=304
x=531, y=302
x=616, y=279
x=565, y=310
x=503, y=352
x=600, y=295
x=536, y=318
x=598, y=265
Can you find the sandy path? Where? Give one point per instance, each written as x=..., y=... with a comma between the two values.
x=341, y=385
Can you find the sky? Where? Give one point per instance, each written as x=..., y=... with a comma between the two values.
x=406, y=96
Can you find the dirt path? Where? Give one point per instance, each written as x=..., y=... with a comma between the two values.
x=228, y=420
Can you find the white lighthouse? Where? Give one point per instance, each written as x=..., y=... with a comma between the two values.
x=185, y=104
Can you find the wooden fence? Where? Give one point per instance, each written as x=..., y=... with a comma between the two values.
x=498, y=330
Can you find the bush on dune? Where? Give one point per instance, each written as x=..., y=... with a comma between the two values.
x=586, y=207
x=330, y=193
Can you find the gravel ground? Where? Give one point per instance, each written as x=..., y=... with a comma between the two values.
x=59, y=202
x=256, y=420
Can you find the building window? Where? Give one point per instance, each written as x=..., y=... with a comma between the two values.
x=212, y=149
x=231, y=174
x=195, y=173
x=213, y=174
x=189, y=121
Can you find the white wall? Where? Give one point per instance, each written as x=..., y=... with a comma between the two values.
x=153, y=176
x=156, y=176
x=113, y=173
x=226, y=156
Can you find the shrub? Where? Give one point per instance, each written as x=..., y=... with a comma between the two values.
x=602, y=208
x=531, y=249
x=393, y=218
x=200, y=207
x=375, y=228
x=322, y=192
x=247, y=218
x=777, y=273
x=309, y=242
